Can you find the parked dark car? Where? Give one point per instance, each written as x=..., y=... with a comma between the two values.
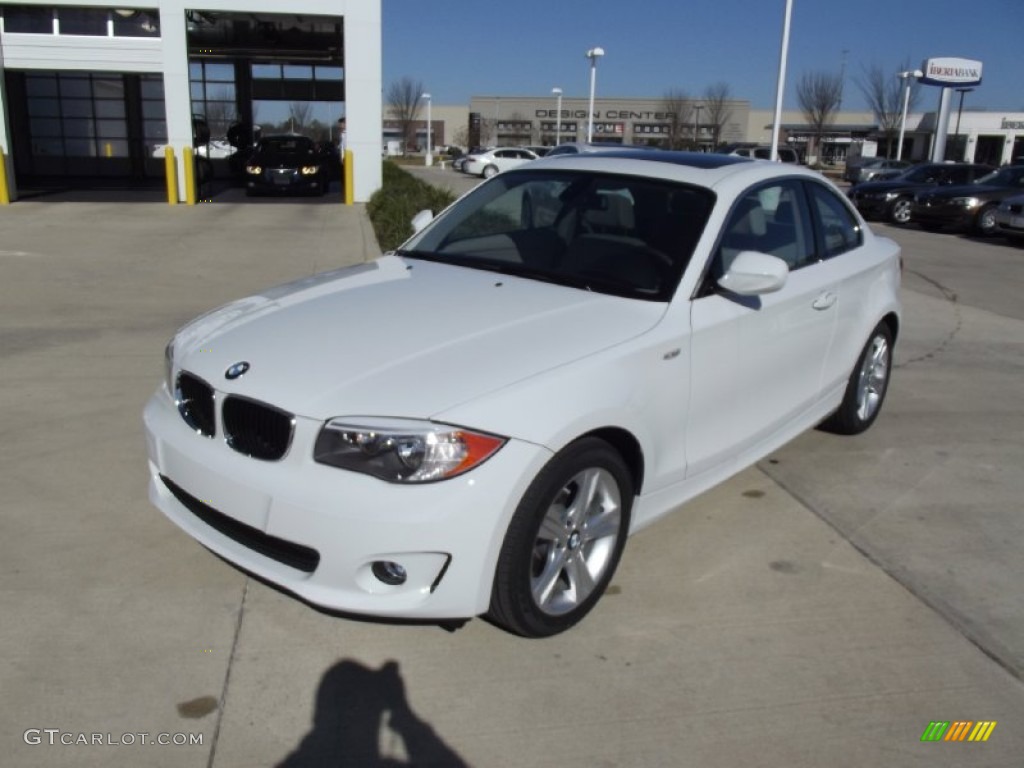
x=862, y=169
x=1010, y=219
x=287, y=164
x=891, y=199
x=969, y=207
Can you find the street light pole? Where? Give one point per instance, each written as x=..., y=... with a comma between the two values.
x=696, y=124
x=558, y=116
x=429, y=159
x=956, y=136
x=905, y=77
x=593, y=54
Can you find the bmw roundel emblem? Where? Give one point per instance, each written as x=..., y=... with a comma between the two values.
x=236, y=370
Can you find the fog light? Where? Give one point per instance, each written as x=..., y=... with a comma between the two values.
x=389, y=572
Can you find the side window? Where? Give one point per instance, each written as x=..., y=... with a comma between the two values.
x=837, y=226
x=770, y=219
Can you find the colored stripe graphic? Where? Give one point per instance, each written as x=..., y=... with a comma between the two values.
x=958, y=730
x=982, y=730
x=935, y=730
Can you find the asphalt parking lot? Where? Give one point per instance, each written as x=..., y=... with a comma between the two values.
x=821, y=608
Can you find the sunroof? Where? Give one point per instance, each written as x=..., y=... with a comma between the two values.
x=708, y=160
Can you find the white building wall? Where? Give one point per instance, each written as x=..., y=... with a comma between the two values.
x=169, y=55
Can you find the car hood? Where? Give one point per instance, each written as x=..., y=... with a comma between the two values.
x=401, y=337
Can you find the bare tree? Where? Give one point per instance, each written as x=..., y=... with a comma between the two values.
x=404, y=98
x=298, y=115
x=676, y=103
x=819, y=94
x=883, y=92
x=716, y=102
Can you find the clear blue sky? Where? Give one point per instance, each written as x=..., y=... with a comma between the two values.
x=459, y=48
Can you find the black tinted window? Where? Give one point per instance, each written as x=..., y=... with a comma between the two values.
x=838, y=230
x=622, y=235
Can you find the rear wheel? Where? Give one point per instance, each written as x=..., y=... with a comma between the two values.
x=489, y=171
x=564, y=541
x=865, y=391
x=900, y=211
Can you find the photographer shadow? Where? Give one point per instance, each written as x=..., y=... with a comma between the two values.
x=361, y=716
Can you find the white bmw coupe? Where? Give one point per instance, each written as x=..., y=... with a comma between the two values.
x=474, y=423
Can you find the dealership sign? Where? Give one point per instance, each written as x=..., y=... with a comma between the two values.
x=948, y=72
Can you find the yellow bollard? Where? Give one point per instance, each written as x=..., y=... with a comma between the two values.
x=348, y=183
x=190, y=176
x=5, y=192
x=171, y=172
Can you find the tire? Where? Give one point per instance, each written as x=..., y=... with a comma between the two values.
x=489, y=171
x=866, y=389
x=899, y=213
x=564, y=541
x=985, y=222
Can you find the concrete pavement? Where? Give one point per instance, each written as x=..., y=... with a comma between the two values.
x=820, y=609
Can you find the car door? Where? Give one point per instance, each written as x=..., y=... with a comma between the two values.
x=505, y=159
x=757, y=362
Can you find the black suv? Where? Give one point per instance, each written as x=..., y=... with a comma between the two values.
x=891, y=199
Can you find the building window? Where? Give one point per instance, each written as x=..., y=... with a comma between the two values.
x=130, y=22
x=27, y=19
x=82, y=21
x=212, y=86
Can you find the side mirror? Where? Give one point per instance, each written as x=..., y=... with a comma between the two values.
x=752, y=274
x=421, y=219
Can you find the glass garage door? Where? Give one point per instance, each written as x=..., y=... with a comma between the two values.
x=82, y=124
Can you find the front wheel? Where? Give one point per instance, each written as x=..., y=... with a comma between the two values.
x=865, y=391
x=900, y=211
x=985, y=223
x=564, y=541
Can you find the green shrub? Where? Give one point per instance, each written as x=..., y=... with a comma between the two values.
x=399, y=199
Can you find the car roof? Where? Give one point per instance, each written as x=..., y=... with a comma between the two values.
x=701, y=168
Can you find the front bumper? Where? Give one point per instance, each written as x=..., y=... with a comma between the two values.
x=316, y=530
x=872, y=207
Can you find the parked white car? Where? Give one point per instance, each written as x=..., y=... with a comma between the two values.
x=494, y=161
x=476, y=422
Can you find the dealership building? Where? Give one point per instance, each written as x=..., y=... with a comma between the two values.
x=94, y=90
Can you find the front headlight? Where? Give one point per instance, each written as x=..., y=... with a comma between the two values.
x=966, y=202
x=890, y=196
x=255, y=170
x=403, y=451
x=310, y=170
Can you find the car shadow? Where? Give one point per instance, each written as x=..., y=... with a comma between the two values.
x=364, y=718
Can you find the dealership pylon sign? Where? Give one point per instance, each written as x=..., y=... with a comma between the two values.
x=948, y=73
x=951, y=73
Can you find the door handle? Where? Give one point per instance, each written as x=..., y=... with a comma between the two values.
x=825, y=300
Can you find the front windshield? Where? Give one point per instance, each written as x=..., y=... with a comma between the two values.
x=622, y=235
x=1010, y=176
x=920, y=174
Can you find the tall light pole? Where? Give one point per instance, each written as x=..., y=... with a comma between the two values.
x=429, y=159
x=956, y=136
x=905, y=77
x=696, y=125
x=558, y=116
x=593, y=54
x=781, y=83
